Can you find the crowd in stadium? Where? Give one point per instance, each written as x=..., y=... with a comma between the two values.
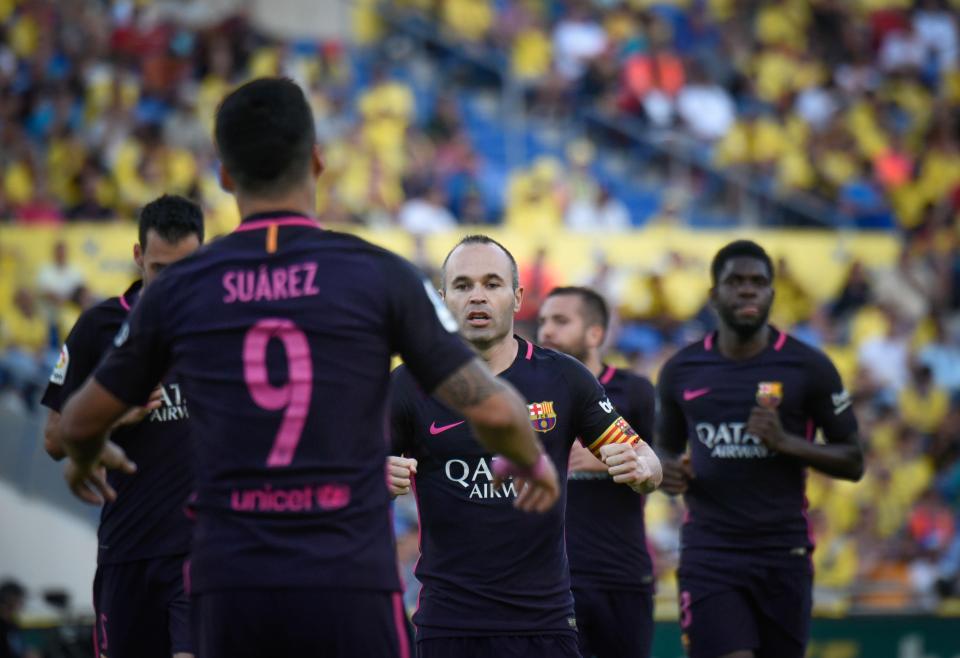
x=857, y=103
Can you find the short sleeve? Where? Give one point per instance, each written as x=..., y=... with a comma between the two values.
x=596, y=421
x=401, y=412
x=79, y=356
x=423, y=331
x=828, y=403
x=141, y=350
x=671, y=422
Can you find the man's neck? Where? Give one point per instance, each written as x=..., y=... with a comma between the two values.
x=733, y=346
x=500, y=355
x=594, y=363
x=299, y=201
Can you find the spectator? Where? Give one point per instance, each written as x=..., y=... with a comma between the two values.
x=89, y=207
x=903, y=51
x=942, y=357
x=577, y=39
x=41, y=207
x=12, y=642
x=426, y=212
x=705, y=108
x=58, y=280
x=884, y=359
x=922, y=404
x=908, y=287
x=602, y=213
x=25, y=347
x=854, y=295
x=936, y=28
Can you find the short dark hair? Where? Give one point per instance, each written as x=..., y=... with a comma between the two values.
x=172, y=217
x=595, y=309
x=11, y=590
x=739, y=249
x=265, y=135
x=482, y=239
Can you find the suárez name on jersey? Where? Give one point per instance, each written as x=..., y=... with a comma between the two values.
x=478, y=479
x=731, y=441
x=173, y=405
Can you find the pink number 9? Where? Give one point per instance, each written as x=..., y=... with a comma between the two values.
x=294, y=396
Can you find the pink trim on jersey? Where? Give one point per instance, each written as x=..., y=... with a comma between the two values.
x=96, y=620
x=686, y=516
x=416, y=497
x=124, y=303
x=529, y=351
x=811, y=429
x=607, y=375
x=781, y=341
x=187, y=581
x=400, y=621
x=708, y=342
x=280, y=221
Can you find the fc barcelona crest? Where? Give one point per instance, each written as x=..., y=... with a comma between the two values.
x=542, y=416
x=769, y=394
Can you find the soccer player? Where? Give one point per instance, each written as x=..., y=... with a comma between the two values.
x=747, y=401
x=281, y=334
x=496, y=583
x=614, y=605
x=144, y=535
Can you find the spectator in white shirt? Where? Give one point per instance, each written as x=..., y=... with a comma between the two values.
x=576, y=40
x=705, y=107
x=426, y=213
x=57, y=281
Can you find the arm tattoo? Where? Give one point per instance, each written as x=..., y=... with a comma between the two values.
x=468, y=386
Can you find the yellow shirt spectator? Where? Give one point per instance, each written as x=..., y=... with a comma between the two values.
x=29, y=333
x=470, y=20
x=783, y=24
x=924, y=408
x=532, y=54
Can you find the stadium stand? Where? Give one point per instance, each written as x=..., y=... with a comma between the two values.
x=569, y=128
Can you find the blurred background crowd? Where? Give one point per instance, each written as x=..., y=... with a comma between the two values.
x=552, y=118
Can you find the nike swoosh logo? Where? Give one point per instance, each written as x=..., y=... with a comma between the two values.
x=693, y=395
x=434, y=430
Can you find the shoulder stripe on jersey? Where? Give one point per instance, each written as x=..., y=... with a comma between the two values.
x=283, y=221
x=124, y=303
x=708, y=342
x=607, y=375
x=272, y=232
x=781, y=341
x=529, y=351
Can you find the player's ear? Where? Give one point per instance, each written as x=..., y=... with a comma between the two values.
x=138, y=255
x=595, y=335
x=517, y=299
x=226, y=181
x=316, y=162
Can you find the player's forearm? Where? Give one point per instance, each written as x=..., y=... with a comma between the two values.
x=839, y=460
x=496, y=411
x=503, y=427
x=86, y=419
x=52, y=442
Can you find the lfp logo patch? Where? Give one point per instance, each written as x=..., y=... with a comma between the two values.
x=769, y=394
x=542, y=416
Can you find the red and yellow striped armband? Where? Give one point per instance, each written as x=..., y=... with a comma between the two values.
x=618, y=432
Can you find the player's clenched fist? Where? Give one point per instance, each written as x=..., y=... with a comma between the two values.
x=677, y=474
x=400, y=472
x=637, y=467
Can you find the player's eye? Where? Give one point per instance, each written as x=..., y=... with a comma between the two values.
x=493, y=284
